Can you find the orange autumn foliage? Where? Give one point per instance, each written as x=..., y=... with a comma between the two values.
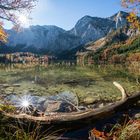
x=3, y=35
x=117, y=59
x=99, y=135
x=128, y=131
x=134, y=57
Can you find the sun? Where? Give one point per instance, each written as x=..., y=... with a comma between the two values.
x=23, y=20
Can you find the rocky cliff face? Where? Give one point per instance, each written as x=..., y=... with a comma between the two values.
x=119, y=19
x=92, y=28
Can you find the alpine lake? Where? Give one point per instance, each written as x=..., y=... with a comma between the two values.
x=89, y=83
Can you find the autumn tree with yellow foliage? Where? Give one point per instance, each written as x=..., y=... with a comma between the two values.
x=133, y=7
x=3, y=35
x=9, y=9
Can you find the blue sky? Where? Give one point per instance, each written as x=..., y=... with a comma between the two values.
x=65, y=13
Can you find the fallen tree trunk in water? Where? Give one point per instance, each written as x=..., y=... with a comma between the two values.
x=82, y=116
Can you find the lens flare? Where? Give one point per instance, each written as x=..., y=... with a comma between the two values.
x=24, y=104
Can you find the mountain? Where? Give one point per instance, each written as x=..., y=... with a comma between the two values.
x=119, y=35
x=92, y=28
x=120, y=19
x=56, y=41
x=50, y=39
x=126, y=52
x=116, y=36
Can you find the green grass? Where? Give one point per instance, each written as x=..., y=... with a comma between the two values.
x=127, y=131
x=17, y=130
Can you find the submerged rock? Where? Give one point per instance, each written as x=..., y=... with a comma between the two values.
x=89, y=100
x=53, y=106
x=58, y=106
x=63, y=102
x=101, y=105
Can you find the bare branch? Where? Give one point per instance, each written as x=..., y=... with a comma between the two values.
x=9, y=8
x=123, y=91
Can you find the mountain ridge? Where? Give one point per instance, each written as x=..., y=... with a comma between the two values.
x=54, y=40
